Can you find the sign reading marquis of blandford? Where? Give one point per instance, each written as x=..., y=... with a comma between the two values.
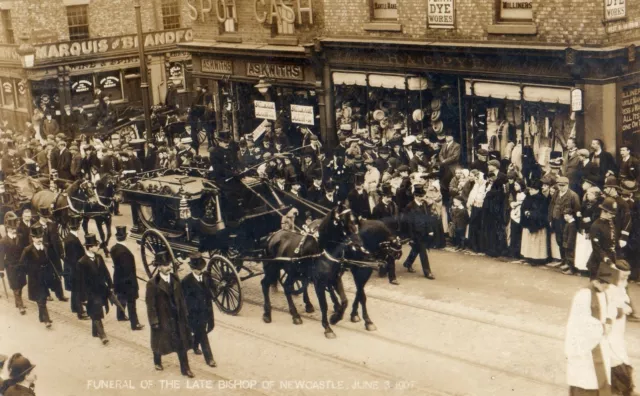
x=615, y=9
x=217, y=66
x=111, y=44
x=271, y=70
x=441, y=14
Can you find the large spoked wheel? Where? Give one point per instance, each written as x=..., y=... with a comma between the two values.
x=202, y=136
x=298, y=286
x=151, y=243
x=228, y=292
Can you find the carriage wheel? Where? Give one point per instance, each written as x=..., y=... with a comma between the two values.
x=228, y=292
x=298, y=286
x=63, y=230
x=152, y=242
x=202, y=136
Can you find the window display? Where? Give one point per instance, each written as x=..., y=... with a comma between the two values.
x=110, y=83
x=81, y=90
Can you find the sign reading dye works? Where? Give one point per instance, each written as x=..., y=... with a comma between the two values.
x=271, y=70
x=217, y=66
x=265, y=110
x=111, y=44
x=302, y=114
x=441, y=14
x=615, y=9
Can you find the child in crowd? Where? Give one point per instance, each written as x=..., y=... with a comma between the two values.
x=569, y=236
x=459, y=222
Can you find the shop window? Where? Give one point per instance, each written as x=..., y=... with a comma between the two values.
x=8, y=92
x=384, y=10
x=111, y=84
x=176, y=75
x=21, y=94
x=78, y=19
x=228, y=13
x=8, y=27
x=170, y=14
x=81, y=90
x=283, y=24
x=515, y=11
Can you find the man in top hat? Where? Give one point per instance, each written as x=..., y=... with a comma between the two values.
x=383, y=156
x=629, y=165
x=622, y=220
x=74, y=251
x=603, y=237
x=421, y=230
x=35, y=263
x=628, y=189
x=21, y=381
x=563, y=199
x=359, y=199
x=387, y=212
x=55, y=250
x=97, y=286
x=197, y=288
x=11, y=162
x=315, y=191
x=125, y=282
x=24, y=229
x=168, y=315
x=10, y=252
x=328, y=199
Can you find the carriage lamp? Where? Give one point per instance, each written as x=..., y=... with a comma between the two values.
x=27, y=53
x=185, y=212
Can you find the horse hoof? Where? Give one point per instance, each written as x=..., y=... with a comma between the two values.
x=266, y=318
x=297, y=321
x=334, y=319
x=330, y=334
x=355, y=318
x=309, y=309
x=371, y=327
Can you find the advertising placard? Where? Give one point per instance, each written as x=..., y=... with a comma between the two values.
x=302, y=114
x=441, y=14
x=265, y=110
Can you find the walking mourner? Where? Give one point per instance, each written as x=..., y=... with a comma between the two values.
x=124, y=279
x=74, y=251
x=55, y=251
x=168, y=315
x=10, y=252
x=41, y=275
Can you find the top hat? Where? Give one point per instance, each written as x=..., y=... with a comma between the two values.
x=383, y=150
x=418, y=191
x=536, y=185
x=74, y=222
x=45, y=212
x=359, y=179
x=162, y=258
x=224, y=136
x=609, y=205
x=612, y=182
x=121, y=233
x=37, y=231
x=90, y=240
x=386, y=190
x=19, y=366
x=11, y=221
x=196, y=261
x=329, y=187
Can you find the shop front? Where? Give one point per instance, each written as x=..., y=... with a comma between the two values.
x=14, y=92
x=254, y=94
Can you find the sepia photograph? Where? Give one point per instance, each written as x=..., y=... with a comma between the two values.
x=319, y=197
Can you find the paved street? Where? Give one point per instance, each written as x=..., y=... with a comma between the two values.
x=484, y=327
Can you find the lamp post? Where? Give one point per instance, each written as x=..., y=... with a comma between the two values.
x=144, y=78
x=27, y=54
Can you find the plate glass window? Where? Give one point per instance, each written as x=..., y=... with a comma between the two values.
x=515, y=11
x=110, y=83
x=8, y=27
x=384, y=10
x=170, y=14
x=78, y=19
x=81, y=90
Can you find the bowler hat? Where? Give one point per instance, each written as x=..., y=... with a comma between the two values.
x=37, y=231
x=196, y=261
x=19, y=366
x=162, y=258
x=418, y=191
x=403, y=168
x=383, y=150
x=628, y=186
x=74, y=223
x=556, y=163
x=90, y=240
x=11, y=222
x=10, y=215
x=612, y=182
x=121, y=233
x=609, y=205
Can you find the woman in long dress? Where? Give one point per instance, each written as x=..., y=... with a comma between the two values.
x=589, y=213
x=533, y=218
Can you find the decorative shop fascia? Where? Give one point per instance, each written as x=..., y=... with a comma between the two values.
x=265, y=11
x=253, y=69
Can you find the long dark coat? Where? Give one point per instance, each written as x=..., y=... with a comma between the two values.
x=167, y=308
x=124, y=272
x=24, y=234
x=74, y=252
x=35, y=263
x=538, y=207
x=10, y=252
x=199, y=302
x=603, y=242
x=493, y=220
x=96, y=282
x=54, y=246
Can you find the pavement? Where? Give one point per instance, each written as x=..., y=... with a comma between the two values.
x=485, y=326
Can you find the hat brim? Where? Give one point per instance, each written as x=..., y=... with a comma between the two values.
x=607, y=210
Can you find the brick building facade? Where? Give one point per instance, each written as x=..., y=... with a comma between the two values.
x=83, y=45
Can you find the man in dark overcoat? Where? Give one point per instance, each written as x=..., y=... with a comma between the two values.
x=197, y=288
x=359, y=199
x=97, y=285
x=168, y=318
x=24, y=229
x=10, y=252
x=124, y=278
x=421, y=229
x=74, y=251
x=55, y=251
x=602, y=235
x=36, y=264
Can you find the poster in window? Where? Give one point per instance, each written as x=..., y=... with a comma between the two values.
x=21, y=86
x=441, y=14
x=517, y=10
x=615, y=9
x=175, y=74
x=385, y=9
x=81, y=90
x=110, y=84
x=7, y=91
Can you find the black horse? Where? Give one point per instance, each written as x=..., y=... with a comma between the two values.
x=75, y=201
x=319, y=261
x=106, y=193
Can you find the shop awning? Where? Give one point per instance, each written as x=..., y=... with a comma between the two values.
x=511, y=91
x=340, y=78
x=494, y=90
x=386, y=81
x=547, y=95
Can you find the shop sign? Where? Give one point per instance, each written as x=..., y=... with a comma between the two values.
x=7, y=87
x=112, y=44
x=576, y=99
x=302, y=114
x=110, y=82
x=99, y=65
x=179, y=55
x=441, y=14
x=615, y=9
x=271, y=70
x=265, y=110
x=520, y=10
x=216, y=66
x=385, y=9
x=82, y=86
x=267, y=10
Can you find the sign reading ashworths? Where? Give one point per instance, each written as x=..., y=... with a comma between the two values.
x=615, y=9
x=441, y=14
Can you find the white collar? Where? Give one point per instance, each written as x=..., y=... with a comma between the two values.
x=120, y=243
x=198, y=277
x=166, y=278
x=91, y=254
x=41, y=248
x=73, y=232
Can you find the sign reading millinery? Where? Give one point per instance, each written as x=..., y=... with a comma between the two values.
x=265, y=110
x=110, y=82
x=217, y=66
x=82, y=86
x=576, y=99
x=302, y=114
x=615, y=9
x=271, y=70
x=441, y=14
x=112, y=44
x=385, y=9
x=521, y=10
